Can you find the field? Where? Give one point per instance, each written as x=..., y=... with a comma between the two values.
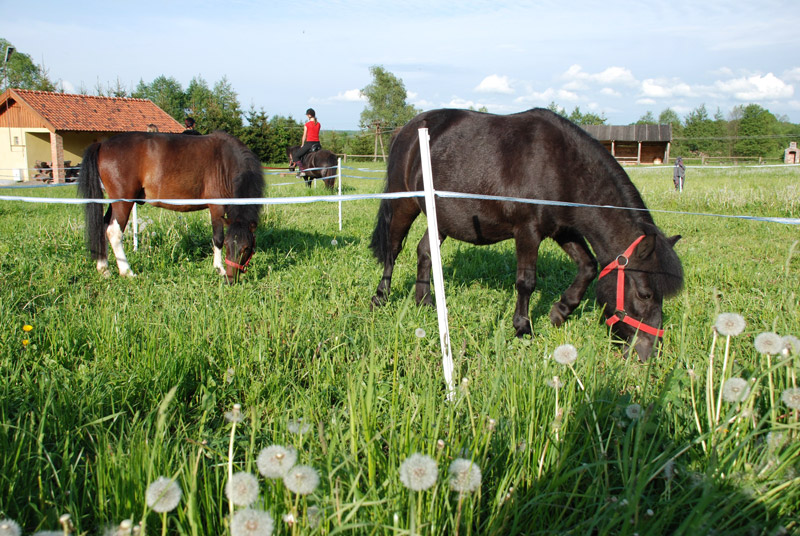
x=107, y=384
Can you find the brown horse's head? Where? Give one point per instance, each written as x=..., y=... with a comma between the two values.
x=240, y=243
x=649, y=271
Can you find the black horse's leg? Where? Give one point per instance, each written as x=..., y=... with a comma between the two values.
x=403, y=214
x=116, y=219
x=423, y=288
x=218, y=235
x=575, y=246
x=527, y=247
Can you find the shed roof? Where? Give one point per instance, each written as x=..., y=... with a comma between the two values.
x=630, y=132
x=63, y=111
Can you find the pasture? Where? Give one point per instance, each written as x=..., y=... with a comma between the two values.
x=119, y=381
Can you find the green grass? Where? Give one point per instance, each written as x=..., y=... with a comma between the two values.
x=88, y=415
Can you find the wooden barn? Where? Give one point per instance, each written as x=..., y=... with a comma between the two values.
x=43, y=134
x=634, y=144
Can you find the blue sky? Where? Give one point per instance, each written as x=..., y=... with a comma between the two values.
x=620, y=58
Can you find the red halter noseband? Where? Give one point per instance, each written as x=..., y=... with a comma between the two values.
x=619, y=264
x=242, y=267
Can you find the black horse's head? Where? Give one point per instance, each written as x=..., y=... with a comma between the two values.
x=240, y=243
x=649, y=272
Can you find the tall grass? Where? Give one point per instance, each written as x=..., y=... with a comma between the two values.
x=121, y=381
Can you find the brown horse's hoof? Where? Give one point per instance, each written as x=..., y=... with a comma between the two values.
x=558, y=314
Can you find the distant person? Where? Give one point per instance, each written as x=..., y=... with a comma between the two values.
x=310, y=141
x=679, y=174
x=152, y=128
x=189, y=122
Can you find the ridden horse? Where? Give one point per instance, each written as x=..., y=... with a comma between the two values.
x=538, y=155
x=139, y=165
x=321, y=164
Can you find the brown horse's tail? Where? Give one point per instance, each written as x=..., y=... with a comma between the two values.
x=380, y=236
x=89, y=187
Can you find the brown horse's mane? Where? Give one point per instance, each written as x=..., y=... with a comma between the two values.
x=248, y=181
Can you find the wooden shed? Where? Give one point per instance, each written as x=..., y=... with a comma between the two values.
x=45, y=133
x=634, y=144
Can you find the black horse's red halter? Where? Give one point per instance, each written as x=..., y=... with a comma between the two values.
x=242, y=267
x=619, y=264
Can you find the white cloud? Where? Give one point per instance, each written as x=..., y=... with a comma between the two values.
x=610, y=76
x=756, y=87
x=792, y=74
x=351, y=95
x=661, y=88
x=548, y=95
x=495, y=84
x=646, y=102
x=610, y=92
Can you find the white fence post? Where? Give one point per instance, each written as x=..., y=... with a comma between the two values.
x=436, y=261
x=135, y=227
x=339, y=182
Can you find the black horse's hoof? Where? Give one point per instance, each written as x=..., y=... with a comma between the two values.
x=559, y=314
x=377, y=301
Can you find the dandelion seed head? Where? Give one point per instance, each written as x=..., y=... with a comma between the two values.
x=791, y=397
x=9, y=527
x=48, y=533
x=440, y=444
x=735, y=389
x=298, y=426
x=791, y=345
x=289, y=519
x=566, y=354
x=314, y=516
x=242, y=489
x=235, y=415
x=251, y=522
x=729, y=324
x=555, y=383
x=275, y=460
x=334, y=242
x=420, y=333
x=669, y=469
x=418, y=472
x=769, y=343
x=301, y=479
x=633, y=411
x=163, y=495
x=775, y=440
x=229, y=374
x=465, y=475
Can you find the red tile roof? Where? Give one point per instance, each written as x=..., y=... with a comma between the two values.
x=98, y=114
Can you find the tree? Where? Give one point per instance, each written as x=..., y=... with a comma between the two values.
x=586, y=119
x=166, y=93
x=756, y=127
x=669, y=117
x=647, y=119
x=701, y=132
x=553, y=107
x=20, y=72
x=386, y=96
x=224, y=112
x=198, y=100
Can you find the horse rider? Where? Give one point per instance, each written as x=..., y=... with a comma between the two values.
x=310, y=141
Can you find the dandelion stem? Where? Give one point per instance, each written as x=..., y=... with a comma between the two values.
x=591, y=407
x=722, y=379
x=230, y=460
x=694, y=410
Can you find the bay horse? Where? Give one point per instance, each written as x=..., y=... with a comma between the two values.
x=538, y=155
x=143, y=165
x=321, y=164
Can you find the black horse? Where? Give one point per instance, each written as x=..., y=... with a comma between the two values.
x=538, y=155
x=320, y=164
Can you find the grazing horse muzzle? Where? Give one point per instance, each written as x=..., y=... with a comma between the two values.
x=642, y=347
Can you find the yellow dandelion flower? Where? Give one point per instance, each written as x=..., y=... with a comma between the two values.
x=25, y=342
x=27, y=327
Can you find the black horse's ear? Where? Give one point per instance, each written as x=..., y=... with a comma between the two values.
x=646, y=246
x=673, y=240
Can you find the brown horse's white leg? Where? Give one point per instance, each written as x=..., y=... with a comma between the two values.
x=114, y=234
x=218, y=266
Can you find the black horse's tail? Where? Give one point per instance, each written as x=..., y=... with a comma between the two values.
x=89, y=187
x=380, y=236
